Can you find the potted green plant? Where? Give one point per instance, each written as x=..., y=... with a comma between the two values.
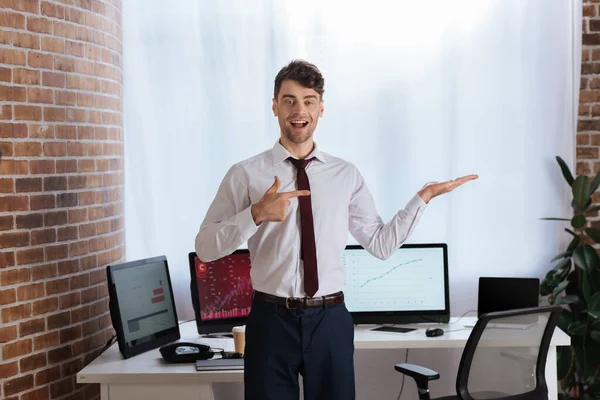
x=574, y=281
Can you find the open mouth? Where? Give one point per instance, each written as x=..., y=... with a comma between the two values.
x=299, y=123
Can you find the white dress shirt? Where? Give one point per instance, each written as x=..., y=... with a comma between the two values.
x=341, y=202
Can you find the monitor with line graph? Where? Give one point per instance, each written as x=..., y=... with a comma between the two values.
x=410, y=286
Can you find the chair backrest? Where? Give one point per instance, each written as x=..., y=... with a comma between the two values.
x=505, y=355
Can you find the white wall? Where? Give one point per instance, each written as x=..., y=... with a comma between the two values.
x=415, y=92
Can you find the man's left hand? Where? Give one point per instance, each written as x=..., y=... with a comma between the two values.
x=436, y=189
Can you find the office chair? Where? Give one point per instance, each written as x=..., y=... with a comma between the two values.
x=504, y=357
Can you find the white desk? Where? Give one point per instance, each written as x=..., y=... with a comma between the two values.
x=147, y=376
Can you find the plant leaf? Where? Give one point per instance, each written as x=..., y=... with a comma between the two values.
x=595, y=335
x=555, y=219
x=565, y=171
x=573, y=233
x=594, y=233
x=592, y=209
x=580, y=191
x=568, y=299
x=586, y=287
x=577, y=328
x=562, y=255
x=578, y=221
x=594, y=314
x=574, y=243
x=595, y=183
x=586, y=258
x=594, y=303
x=559, y=288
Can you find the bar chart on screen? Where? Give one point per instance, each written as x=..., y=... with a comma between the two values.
x=412, y=279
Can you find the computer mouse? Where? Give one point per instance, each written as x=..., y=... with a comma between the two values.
x=431, y=332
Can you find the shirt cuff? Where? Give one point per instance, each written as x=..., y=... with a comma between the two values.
x=413, y=206
x=245, y=223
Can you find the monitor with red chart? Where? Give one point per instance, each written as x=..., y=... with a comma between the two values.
x=221, y=291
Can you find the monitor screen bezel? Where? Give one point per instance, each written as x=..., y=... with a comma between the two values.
x=224, y=325
x=150, y=342
x=406, y=317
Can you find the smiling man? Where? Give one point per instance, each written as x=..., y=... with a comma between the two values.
x=294, y=205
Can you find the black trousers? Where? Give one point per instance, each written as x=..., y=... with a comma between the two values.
x=281, y=343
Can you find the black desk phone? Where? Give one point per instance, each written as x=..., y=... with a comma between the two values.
x=185, y=352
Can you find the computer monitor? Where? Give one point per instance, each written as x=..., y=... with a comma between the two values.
x=410, y=286
x=221, y=291
x=506, y=293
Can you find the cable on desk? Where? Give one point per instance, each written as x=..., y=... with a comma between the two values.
x=403, y=376
x=461, y=317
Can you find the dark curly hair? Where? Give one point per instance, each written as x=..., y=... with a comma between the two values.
x=303, y=72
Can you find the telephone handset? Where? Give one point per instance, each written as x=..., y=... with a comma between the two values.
x=185, y=352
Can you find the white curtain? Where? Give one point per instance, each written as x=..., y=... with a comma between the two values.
x=414, y=92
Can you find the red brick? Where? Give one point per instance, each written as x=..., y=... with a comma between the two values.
x=59, y=320
x=67, y=233
x=43, y=272
x=28, y=149
x=12, y=20
x=30, y=256
x=56, y=114
x=86, y=166
x=14, y=203
x=6, y=112
x=18, y=385
x=7, y=185
x=587, y=153
x=53, y=45
x=42, y=201
x=12, y=93
x=9, y=369
x=40, y=95
x=15, y=313
x=26, y=40
x=66, y=132
x=29, y=292
x=7, y=149
x=41, y=131
x=40, y=25
x=33, y=326
x=14, y=239
x=8, y=333
x=66, y=166
x=54, y=79
x=53, y=10
x=32, y=362
x=5, y=74
x=55, y=218
x=79, y=248
x=62, y=63
x=10, y=130
x=65, y=98
x=55, y=149
x=45, y=306
x=16, y=349
x=42, y=166
x=6, y=222
x=76, y=82
x=12, y=56
x=79, y=182
x=14, y=276
x=72, y=367
x=61, y=388
x=66, y=200
x=7, y=296
x=70, y=300
x=80, y=281
x=50, y=374
x=57, y=286
x=45, y=341
x=27, y=185
x=81, y=313
x=40, y=60
x=64, y=29
x=78, y=215
x=38, y=394
x=99, y=307
x=28, y=113
x=7, y=259
x=56, y=252
x=42, y=236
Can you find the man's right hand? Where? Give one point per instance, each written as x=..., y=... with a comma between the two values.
x=273, y=206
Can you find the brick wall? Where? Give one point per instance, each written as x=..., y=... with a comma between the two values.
x=588, y=129
x=61, y=190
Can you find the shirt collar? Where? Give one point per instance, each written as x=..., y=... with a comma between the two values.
x=280, y=153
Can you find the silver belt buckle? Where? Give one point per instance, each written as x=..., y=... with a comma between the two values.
x=287, y=302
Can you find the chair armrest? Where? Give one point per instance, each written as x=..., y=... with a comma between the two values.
x=421, y=375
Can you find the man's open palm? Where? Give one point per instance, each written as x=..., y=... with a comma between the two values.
x=436, y=189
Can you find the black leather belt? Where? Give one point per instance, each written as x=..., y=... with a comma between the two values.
x=302, y=302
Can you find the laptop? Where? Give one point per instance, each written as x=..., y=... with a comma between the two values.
x=503, y=294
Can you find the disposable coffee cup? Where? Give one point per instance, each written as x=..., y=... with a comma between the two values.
x=239, y=338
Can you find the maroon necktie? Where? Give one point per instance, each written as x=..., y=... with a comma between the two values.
x=308, y=249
